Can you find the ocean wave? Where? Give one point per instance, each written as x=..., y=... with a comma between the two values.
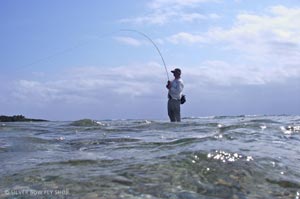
x=290, y=129
x=264, y=121
x=86, y=123
x=85, y=144
x=204, y=157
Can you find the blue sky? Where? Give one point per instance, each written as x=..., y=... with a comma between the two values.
x=67, y=60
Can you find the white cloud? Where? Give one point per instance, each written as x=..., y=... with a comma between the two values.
x=94, y=85
x=184, y=37
x=165, y=11
x=222, y=73
x=89, y=84
x=156, y=17
x=129, y=40
x=156, y=4
x=189, y=17
x=281, y=24
x=273, y=38
x=164, y=17
x=268, y=42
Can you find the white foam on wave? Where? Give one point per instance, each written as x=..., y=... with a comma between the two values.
x=288, y=130
x=227, y=157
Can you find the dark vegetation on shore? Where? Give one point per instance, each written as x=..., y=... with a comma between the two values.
x=19, y=118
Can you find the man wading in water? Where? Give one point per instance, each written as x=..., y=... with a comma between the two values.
x=175, y=88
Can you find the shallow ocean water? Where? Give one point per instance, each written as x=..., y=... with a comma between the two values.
x=208, y=157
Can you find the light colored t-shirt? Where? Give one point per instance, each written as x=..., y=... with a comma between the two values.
x=176, y=89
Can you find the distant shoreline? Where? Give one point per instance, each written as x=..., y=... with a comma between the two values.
x=19, y=118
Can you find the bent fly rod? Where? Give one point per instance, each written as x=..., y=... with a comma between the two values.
x=143, y=34
x=102, y=36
